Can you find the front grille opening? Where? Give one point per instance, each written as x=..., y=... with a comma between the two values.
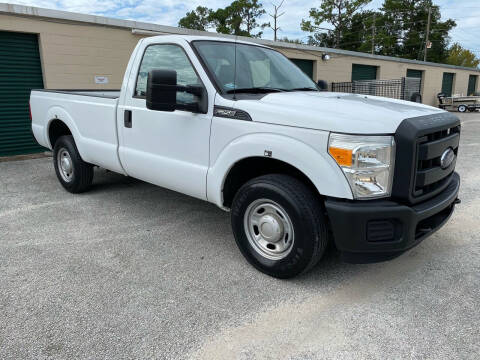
x=420, y=189
x=426, y=226
x=442, y=133
x=432, y=187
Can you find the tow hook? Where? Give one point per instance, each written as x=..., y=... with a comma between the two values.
x=457, y=201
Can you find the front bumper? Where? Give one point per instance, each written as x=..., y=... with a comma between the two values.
x=378, y=230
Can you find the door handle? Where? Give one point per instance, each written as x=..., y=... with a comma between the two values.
x=127, y=118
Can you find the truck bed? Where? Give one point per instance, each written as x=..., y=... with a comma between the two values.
x=110, y=94
x=91, y=116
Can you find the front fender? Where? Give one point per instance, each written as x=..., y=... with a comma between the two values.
x=319, y=167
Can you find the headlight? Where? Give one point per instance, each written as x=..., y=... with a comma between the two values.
x=367, y=162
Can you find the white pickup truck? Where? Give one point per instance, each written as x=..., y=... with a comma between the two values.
x=239, y=125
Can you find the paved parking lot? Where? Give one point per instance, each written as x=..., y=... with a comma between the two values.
x=130, y=270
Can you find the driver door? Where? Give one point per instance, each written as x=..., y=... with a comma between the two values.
x=169, y=149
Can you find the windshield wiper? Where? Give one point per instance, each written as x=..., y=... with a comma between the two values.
x=256, y=90
x=304, y=89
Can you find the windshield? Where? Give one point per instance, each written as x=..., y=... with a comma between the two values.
x=259, y=69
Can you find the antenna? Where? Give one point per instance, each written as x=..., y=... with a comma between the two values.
x=235, y=70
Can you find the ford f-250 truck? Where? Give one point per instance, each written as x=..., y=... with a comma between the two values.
x=239, y=125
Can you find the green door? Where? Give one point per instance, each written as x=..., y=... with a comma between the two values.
x=363, y=72
x=472, y=84
x=20, y=71
x=447, y=83
x=305, y=65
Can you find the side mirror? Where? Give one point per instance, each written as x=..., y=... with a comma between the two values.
x=162, y=91
x=322, y=85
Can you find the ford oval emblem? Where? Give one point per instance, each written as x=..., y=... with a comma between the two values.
x=447, y=158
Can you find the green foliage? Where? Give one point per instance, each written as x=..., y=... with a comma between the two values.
x=335, y=12
x=460, y=56
x=403, y=30
x=400, y=28
x=198, y=19
x=292, y=41
x=238, y=18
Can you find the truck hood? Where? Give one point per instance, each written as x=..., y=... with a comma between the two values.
x=338, y=112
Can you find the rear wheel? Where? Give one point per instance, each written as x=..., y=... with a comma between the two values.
x=279, y=225
x=74, y=174
x=462, y=108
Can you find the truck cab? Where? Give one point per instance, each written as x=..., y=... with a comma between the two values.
x=239, y=125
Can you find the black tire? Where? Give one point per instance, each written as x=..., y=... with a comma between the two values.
x=462, y=108
x=82, y=175
x=303, y=208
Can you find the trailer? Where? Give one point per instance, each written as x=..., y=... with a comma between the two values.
x=460, y=103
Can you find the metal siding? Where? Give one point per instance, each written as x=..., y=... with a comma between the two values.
x=363, y=72
x=472, y=84
x=447, y=83
x=20, y=71
x=305, y=65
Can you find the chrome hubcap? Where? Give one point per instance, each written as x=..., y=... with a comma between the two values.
x=269, y=229
x=65, y=165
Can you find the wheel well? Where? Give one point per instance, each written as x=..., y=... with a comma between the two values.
x=249, y=168
x=57, y=128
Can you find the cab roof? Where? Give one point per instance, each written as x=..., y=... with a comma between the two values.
x=214, y=37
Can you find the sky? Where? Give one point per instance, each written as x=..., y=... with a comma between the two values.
x=167, y=12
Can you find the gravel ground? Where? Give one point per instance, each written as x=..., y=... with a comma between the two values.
x=130, y=270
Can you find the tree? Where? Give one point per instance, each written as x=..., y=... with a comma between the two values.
x=276, y=14
x=398, y=28
x=238, y=18
x=403, y=30
x=457, y=55
x=338, y=13
x=358, y=33
x=292, y=41
x=251, y=11
x=198, y=19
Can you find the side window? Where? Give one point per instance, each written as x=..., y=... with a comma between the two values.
x=171, y=57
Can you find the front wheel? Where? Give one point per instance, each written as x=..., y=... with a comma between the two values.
x=279, y=225
x=462, y=108
x=74, y=174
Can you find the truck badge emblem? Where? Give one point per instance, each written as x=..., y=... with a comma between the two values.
x=447, y=158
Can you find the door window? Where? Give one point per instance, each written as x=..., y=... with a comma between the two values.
x=169, y=57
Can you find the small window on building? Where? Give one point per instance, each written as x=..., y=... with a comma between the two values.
x=364, y=72
x=472, y=85
x=447, y=83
